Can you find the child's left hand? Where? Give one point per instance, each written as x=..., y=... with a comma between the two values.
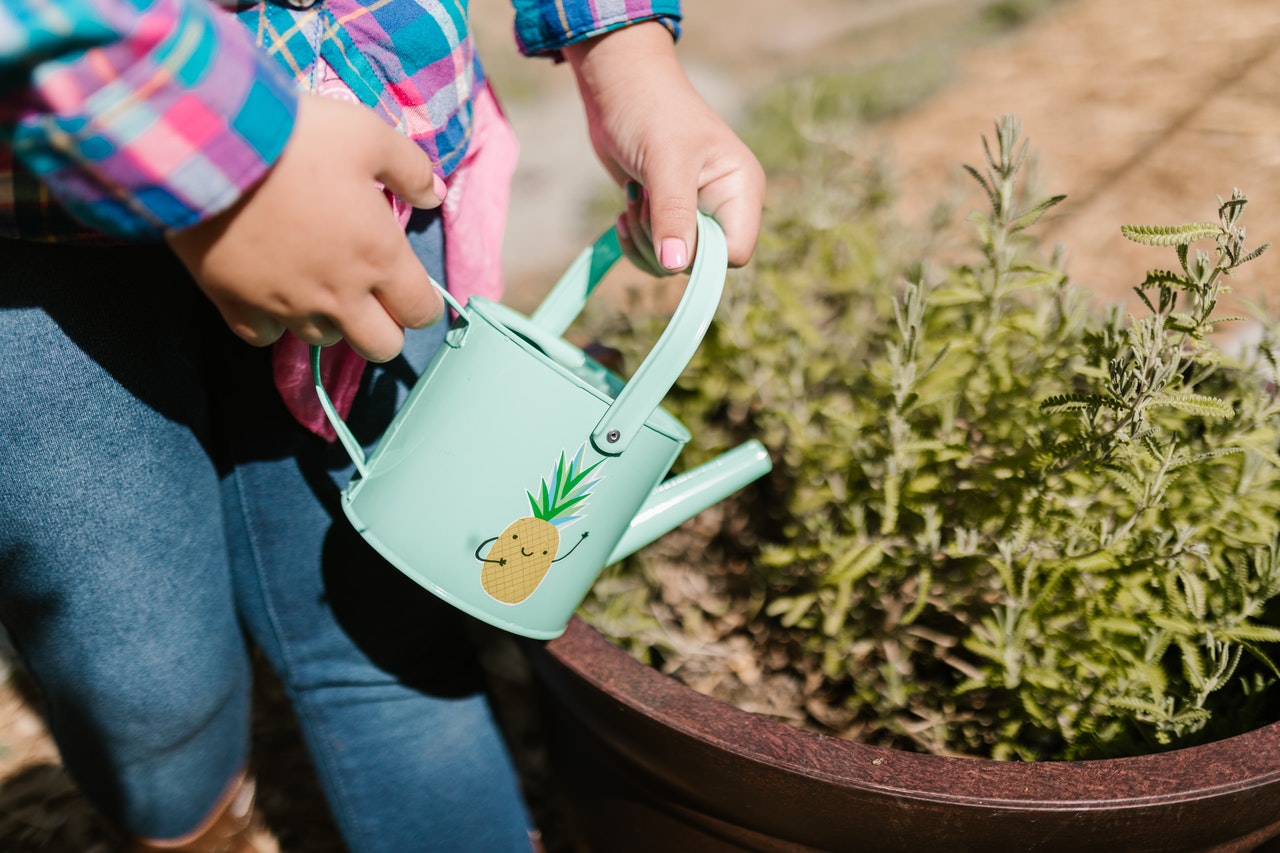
x=651, y=130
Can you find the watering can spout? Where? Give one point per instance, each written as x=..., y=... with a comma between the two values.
x=685, y=495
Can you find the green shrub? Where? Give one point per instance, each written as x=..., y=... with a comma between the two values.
x=1002, y=522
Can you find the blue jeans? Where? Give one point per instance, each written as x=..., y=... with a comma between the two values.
x=160, y=510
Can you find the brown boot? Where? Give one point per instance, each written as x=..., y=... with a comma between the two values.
x=232, y=827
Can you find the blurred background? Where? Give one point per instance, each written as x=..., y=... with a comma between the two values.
x=1140, y=112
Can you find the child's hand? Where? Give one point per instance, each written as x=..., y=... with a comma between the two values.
x=652, y=130
x=314, y=248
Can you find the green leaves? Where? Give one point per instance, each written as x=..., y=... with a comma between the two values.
x=1000, y=522
x=1170, y=235
x=1028, y=218
x=1163, y=278
x=1196, y=404
x=1059, y=403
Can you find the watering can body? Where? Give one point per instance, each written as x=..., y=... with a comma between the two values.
x=518, y=468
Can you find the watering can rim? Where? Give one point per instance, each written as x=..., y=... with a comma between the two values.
x=632, y=408
x=659, y=420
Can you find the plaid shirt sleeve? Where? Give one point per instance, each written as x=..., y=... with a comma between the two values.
x=545, y=26
x=140, y=116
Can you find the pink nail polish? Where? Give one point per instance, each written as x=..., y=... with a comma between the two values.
x=438, y=186
x=673, y=253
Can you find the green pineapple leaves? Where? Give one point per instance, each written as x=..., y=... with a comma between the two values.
x=569, y=488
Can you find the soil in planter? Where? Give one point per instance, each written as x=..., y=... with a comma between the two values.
x=706, y=607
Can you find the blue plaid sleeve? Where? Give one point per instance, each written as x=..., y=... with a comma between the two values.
x=545, y=26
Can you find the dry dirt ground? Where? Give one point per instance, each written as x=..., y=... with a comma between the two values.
x=1141, y=112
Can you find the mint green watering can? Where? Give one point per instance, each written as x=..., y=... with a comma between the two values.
x=518, y=468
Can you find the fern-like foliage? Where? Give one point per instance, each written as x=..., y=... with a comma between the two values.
x=1001, y=522
x=1163, y=278
x=1170, y=235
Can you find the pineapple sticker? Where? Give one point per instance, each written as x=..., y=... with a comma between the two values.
x=521, y=557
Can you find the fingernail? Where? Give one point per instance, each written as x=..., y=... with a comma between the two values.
x=621, y=225
x=673, y=253
x=438, y=186
x=633, y=192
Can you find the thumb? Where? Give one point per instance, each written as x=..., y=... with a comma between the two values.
x=406, y=170
x=673, y=214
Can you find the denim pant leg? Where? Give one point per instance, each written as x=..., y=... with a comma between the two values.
x=381, y=673
x=121, y=575
x=114, y=581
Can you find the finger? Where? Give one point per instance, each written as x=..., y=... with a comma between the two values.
x=673, y=209
x=635, y=220
x=374, y=327
x=405, y=169
x=624, y=236
x=316, y=330
x=372, y=332
x=254, y=327
x=629, y=245
x=735, y=201
x=637, y=213
x=408, y=296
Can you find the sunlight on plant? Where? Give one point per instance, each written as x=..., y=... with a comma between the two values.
x=1002, y=521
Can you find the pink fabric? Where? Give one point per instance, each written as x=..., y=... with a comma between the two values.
x=474, y=219
x=475, y=209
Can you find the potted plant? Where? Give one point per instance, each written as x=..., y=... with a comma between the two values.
x=1003, y=525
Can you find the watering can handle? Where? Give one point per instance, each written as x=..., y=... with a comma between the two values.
x=670, y=355
x=345, y=437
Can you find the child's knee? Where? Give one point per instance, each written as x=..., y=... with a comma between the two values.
x=153, y=747
x=147, y=700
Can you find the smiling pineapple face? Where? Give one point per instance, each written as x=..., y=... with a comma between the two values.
x=520, y=558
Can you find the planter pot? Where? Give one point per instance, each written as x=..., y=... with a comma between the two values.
x=649, y=764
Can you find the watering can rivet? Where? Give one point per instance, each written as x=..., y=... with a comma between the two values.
x=613, y=436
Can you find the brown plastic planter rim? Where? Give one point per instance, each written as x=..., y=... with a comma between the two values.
x=1244, y=763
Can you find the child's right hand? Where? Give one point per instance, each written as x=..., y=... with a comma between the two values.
x=652, y=130
x=314, y=248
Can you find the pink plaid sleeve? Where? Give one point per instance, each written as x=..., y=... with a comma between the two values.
x=141, y=116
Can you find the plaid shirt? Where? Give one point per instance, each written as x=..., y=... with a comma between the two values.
x=145, y=116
